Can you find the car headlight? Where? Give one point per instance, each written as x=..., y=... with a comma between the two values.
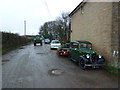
x=88, y=56
x=100, y=56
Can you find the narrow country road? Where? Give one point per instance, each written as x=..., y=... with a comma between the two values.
x=39, y=67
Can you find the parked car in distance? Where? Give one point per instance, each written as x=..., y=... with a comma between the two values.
x=37, y=39
x=63, y=50
x=82, y=53
x=47, y=41
x=55, y=44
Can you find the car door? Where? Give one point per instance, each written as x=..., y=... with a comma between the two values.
x=74, y=51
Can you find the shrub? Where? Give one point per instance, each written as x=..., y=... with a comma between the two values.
x=11, y=40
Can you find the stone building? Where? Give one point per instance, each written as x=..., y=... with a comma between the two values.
x=99, y=23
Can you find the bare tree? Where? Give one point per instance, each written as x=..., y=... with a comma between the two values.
x=57, y=29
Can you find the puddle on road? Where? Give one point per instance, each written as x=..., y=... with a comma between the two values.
x=44, y=52
x=41, y=53
x=5, y=60
x=56, y=72
x=21, y=48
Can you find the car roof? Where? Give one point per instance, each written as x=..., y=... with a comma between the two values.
x=55, y=40
x=81, y=42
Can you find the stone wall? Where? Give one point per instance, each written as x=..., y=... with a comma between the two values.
x=115, y=34
x=119, y=34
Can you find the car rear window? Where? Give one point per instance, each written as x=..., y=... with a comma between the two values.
x=86, y=46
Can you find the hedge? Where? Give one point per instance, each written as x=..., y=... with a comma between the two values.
x=11, y=40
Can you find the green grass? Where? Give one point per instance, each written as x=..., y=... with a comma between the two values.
x=112, y=70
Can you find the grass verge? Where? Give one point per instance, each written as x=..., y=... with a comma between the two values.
x=4, y=51
x=112, y=70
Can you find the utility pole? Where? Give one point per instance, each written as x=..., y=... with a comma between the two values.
x=25, y=27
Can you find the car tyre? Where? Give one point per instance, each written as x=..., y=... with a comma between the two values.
x=69, y=56
x=34, y=44
x=59, y=54
x=41, y=43
x=81, y=64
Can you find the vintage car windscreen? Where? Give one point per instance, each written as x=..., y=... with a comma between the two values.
x=75, y=45
x=85, y=46
x=66, y=46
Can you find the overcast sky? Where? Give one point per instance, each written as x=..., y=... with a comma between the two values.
x=35, y=12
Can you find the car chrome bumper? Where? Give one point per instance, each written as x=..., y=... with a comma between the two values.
x=93, y=65
x=63, y=53
x=55, y=47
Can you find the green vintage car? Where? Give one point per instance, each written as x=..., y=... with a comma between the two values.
x=63, y=50
x=37, y=39
x=82, y=53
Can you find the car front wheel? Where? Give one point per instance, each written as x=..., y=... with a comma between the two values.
x=81, y=64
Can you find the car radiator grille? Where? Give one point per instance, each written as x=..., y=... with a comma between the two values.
x=94, y=57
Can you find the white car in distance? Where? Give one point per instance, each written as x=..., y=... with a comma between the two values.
x=55, y=44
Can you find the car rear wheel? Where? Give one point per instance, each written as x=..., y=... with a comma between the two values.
x=81, y=64
x=34, y=44
x=69, y=56
x=41, y=43
x=58, y=53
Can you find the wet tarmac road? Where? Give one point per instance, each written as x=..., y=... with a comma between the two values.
x=40, y=67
